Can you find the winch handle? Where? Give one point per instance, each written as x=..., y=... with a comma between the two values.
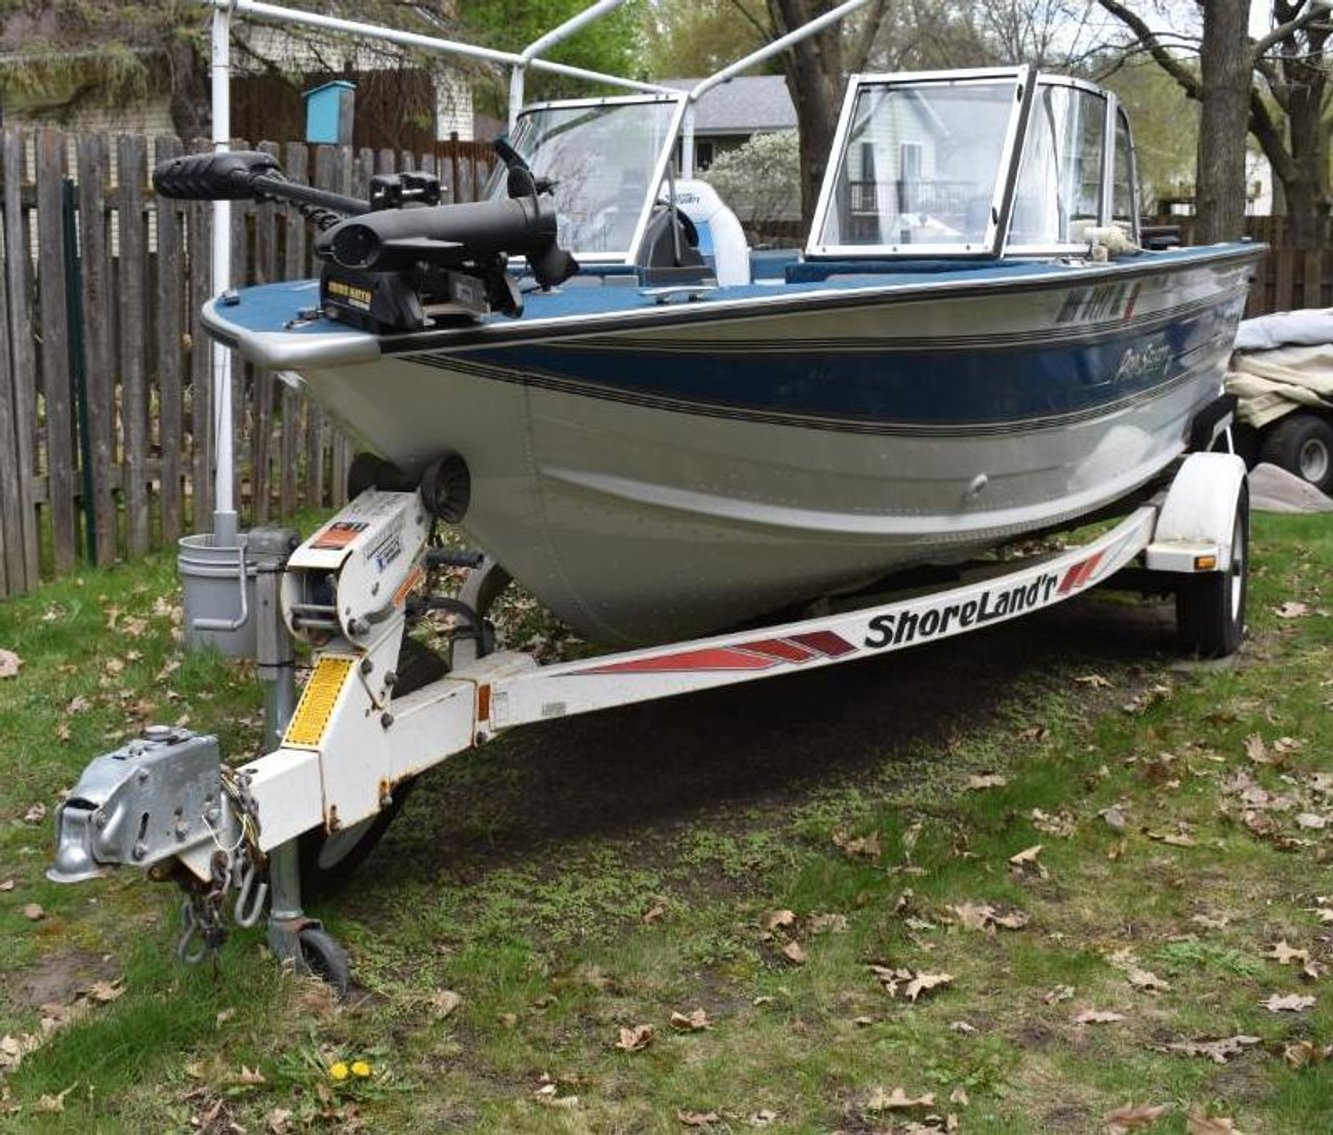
x=229, y=624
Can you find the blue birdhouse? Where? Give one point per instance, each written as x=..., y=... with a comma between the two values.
x=328, y=113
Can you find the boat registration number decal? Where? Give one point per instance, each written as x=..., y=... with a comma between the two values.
x=311, y=719
x=1100, y=304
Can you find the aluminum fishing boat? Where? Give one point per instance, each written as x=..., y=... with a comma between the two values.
x=972, y=347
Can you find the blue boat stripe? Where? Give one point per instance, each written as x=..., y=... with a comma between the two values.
x=1187, y=374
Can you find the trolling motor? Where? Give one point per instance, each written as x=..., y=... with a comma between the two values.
x=399, y=261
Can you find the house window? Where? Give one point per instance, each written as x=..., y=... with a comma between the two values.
x=703, y=155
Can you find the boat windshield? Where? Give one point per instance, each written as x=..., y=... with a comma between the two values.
x=921, y=167
x=606, y=157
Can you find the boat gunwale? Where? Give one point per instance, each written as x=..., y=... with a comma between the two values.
x=291, y=349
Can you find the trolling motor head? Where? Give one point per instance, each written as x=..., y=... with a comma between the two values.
x=400, y=261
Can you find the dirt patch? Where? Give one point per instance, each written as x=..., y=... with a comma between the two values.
x=58, y=978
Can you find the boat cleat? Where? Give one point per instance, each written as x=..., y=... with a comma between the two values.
x=153, y=799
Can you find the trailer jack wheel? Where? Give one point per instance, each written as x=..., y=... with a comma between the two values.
x=1210, y=608
x=322, y=956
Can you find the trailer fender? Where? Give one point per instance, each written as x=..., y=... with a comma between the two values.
x=1197, y=519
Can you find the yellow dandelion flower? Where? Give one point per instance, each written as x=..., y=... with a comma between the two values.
x=338, y=1071
x=360, y=1068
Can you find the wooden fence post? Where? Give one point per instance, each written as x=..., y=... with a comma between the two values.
x=23, y=356
x=169, y=294
x=131, y=171
x=98, y=311
x=59, y=420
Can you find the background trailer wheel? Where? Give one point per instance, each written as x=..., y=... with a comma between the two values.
x=1210, y=607
x=1301, y=443
x=1200, y=548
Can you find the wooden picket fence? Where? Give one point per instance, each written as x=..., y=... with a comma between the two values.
x=105, y=407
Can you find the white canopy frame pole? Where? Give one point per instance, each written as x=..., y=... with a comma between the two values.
x=224, y=507
x=547, y=41
x=733, y=69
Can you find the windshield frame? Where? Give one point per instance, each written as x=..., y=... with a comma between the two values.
x=495, y=187
x=991, y=246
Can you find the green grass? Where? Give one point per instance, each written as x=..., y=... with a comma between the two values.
x=520, y=876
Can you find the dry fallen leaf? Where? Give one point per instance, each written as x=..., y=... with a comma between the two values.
x=1098, y=1017
x=250, y=1076
x=1197, y=1123
x=697, y=1118
x=912, y=982
x=793, y=953
x=9, y=664
x=1058, y=994
x=107, y=991
x=1284, y=953
x=691, y=1023
x=656, y=911
x=1215, y=1050
x=1146, y=980
x=988, y=780
x=443, y=1002
x=35, y=814
x=1305, y=1052
x=1133, y=1118
x=1093, y=681
x=897, y=1100
x=33, y=912
x=1291, y=1003
x=983, y=916
x=1291, y=609
x=636, y=1039
x=778, y=920
x=1026, y=856
x=1311, y=821
x=861, y=847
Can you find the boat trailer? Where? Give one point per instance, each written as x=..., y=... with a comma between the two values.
x=342, y=759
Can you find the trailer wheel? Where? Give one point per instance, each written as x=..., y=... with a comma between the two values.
x=328, y=858
x=1210, y=608
x=1302, y=444
x=322, y=956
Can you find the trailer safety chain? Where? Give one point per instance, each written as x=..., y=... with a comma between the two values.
x=240, y=865
x=204, y=929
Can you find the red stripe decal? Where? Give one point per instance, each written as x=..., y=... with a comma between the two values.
x=779, y=648
x=825, y=642
x=712, y=658
x=1086, y=568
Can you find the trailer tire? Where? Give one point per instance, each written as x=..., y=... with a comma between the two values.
x=1302, y=444
x=324, y=958
x=1210, y=608
x=328, y=858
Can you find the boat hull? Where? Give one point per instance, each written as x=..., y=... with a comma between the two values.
x=690, y=468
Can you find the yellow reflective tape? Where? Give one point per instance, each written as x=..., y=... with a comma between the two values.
x=318, y=698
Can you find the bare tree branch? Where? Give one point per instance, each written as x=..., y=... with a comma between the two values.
x=1188, y=80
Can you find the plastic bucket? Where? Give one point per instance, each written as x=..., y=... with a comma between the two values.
x=218, y=582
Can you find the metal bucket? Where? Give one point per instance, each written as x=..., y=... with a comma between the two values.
x=219, y=587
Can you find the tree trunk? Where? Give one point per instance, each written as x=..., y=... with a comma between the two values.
x=1226, y=66
x=814, y=74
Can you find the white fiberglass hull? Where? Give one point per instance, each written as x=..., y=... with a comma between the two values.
x=639, y=510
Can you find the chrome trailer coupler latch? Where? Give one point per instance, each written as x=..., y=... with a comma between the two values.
x=150, y=800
